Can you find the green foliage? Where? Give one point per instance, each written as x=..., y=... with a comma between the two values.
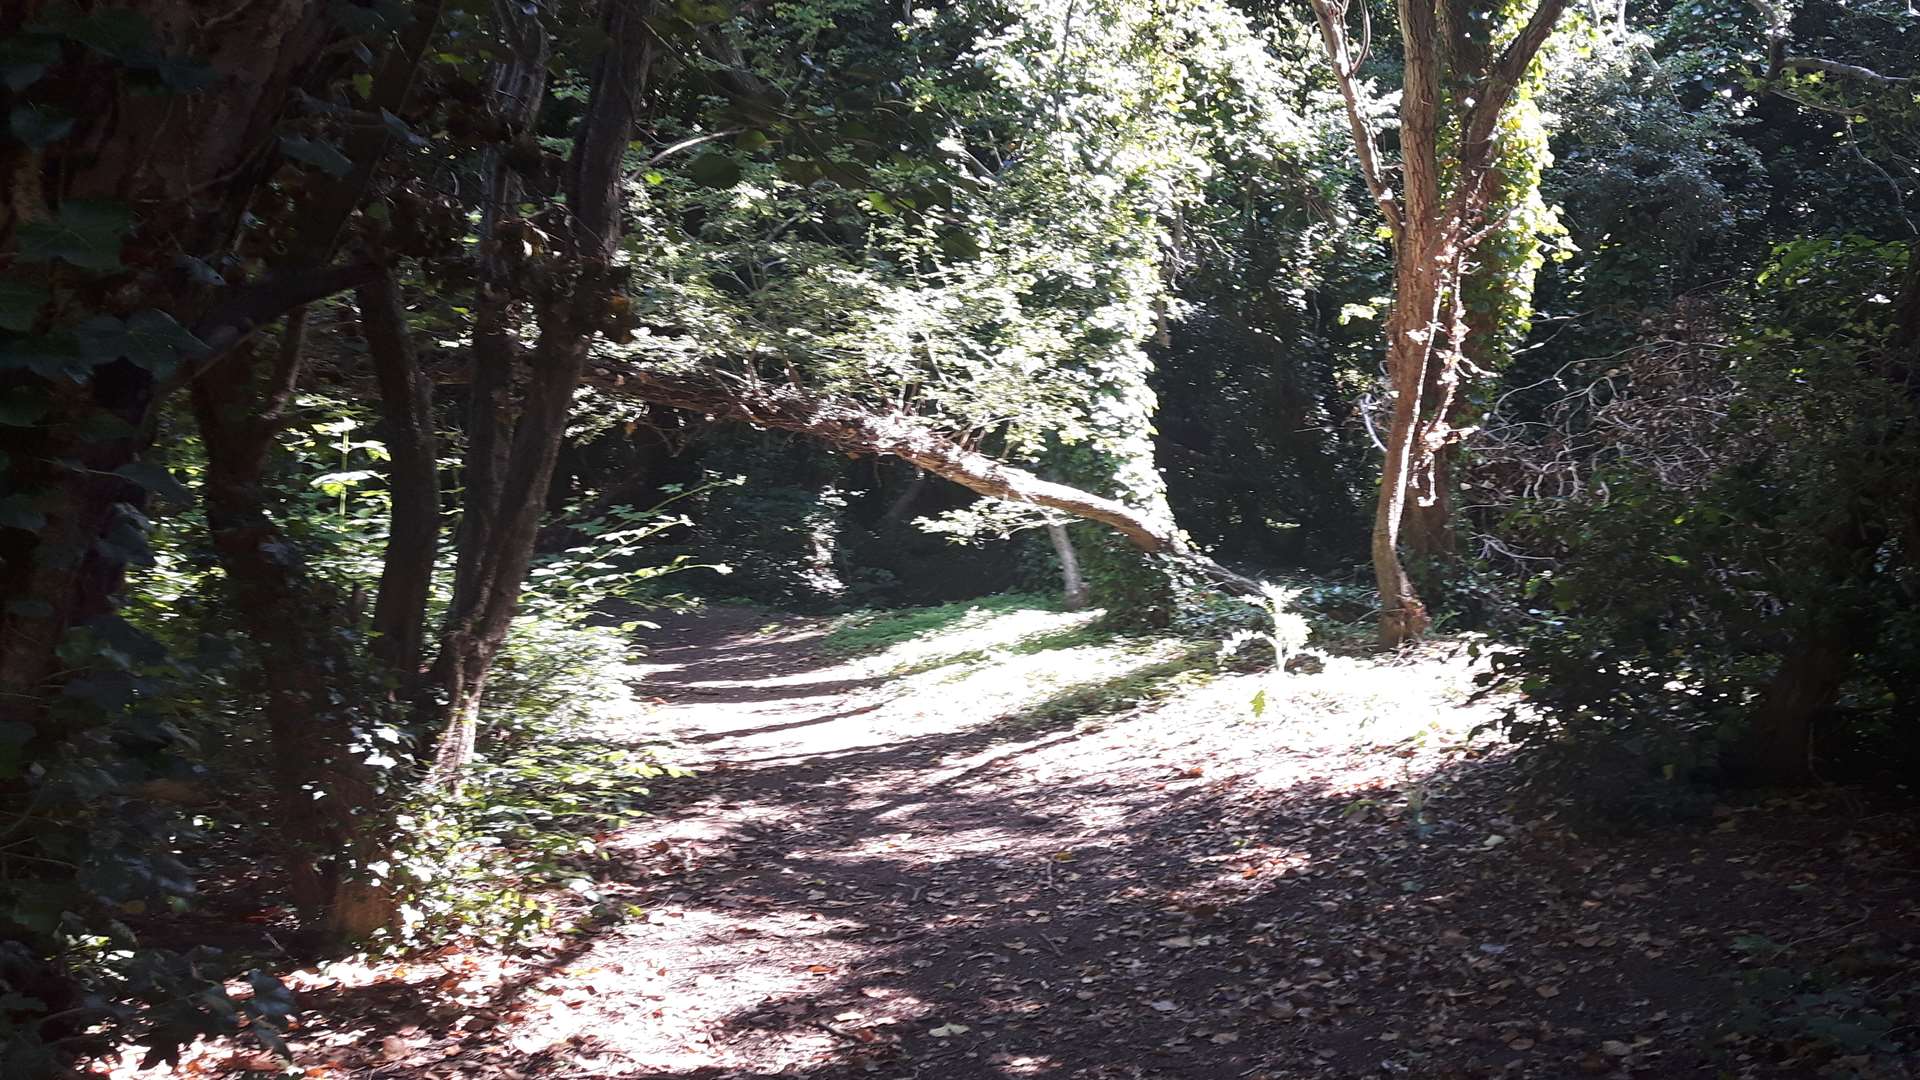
x=1824, y=1003
x=1672, y=604
x=481, y=863
x=1284, y=632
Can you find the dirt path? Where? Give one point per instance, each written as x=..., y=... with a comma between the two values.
x=937, y=873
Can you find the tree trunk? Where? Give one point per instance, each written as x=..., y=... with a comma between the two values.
x=1073, y=587
x=1429, y=519
x=192, y=179
x=1411, y=328
x=519, y=85
x=331, y=804
x=413, y=535
x=1430, y=219
x=901, y=507
x=569, y=317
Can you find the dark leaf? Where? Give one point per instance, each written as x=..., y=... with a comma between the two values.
x=20, y=305
x=960, y=244
x=23, y=60
x=37, y=125
x=22, y=407
x=157, y=479
x=85, y=232
x=714, y=170
x=321, y=155
x=118, y=32
x=19, y=512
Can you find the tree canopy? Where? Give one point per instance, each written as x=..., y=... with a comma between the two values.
x=369, y=368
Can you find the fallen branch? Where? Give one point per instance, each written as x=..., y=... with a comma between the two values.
x=852, y=428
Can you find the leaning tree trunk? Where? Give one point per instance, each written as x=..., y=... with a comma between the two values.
x=854, y=429
x=1073, y=587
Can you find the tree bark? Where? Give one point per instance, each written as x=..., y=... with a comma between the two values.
x=1431, y=221
x=292, y=619
x=519, y=86
x=192, y=171
x=413, y=534
x=1073, y=587
x=897, y=511
x=854, y=429
x=568, y=318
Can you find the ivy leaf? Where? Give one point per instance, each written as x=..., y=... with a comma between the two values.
x=118, y=32
x=86, y=233
x=20, y=305
x=148, y=339
x=184, y=74
x=50, y=356
x=20, y=512
x=23, y=407
x=156, y=342
x=699, y=12
x=317, y=153
x=198, y=270
x=960, y=244
x=23, y=60
x=400, y=129
x=714, y=170
x=36, y=125
x=156, y=479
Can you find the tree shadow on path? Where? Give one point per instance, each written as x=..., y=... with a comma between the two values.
x=877, y=890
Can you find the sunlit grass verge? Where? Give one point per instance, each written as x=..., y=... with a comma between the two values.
x=865, y=633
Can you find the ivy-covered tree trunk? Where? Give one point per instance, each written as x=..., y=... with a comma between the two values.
x=1454, y=91
x=187, y=157
x=311, y=683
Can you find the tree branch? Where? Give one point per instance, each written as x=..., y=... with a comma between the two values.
x=1333, y=36
x=853, y=428
x=1834, y=67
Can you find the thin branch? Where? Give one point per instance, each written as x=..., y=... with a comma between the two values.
x=1333, y=35
x=1834, y=67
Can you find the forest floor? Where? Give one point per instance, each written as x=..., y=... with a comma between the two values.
x=1010, y=846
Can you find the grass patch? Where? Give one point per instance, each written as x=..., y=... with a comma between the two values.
x=1188, y=667
x=864, y=633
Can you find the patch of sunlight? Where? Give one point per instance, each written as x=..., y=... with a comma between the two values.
x=1050, y=686
x=917, y=636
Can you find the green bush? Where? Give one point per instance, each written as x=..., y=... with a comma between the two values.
x=1671, y=605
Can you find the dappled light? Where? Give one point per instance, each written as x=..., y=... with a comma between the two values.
x=1074, y=539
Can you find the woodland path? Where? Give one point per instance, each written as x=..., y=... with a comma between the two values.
x=874, y=876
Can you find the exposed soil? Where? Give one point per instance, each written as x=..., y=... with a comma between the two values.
x=917, y=868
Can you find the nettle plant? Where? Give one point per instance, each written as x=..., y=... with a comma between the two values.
x=1286, y=632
